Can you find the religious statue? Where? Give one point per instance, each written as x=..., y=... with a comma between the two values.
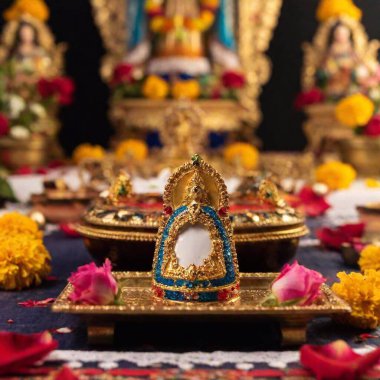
x=341, y=60
x=27, y=42
x=27, y=54
x=182, y=37
x=342, y=66
x=195, y=258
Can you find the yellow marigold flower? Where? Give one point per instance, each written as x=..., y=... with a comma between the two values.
x=14, y=223
x=155, y=88
x=354, y=110
x=24, y=261
x=132, y=149
x=84, y=151
x=187, y=89
x=372, y=183
x=335, y=175
x=370, y=258
x=362, y=293
x=334, y=8
x=210, y=3
x=242, y=154
x=35, y=8
x=207, y=18
x=157, y=23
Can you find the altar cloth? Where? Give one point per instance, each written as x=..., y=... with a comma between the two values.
x=250, y=349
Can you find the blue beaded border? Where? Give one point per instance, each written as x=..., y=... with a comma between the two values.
x=229, y=278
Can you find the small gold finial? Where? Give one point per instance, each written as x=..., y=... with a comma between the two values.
x=121, y=188
x=268, y=192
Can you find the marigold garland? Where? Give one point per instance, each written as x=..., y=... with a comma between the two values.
x=132, y=149
x=335, y=8
x=362, y=293
x=370, y=258
x=35, y=8
x=242, y=154
x=24, y=260
x=14, y=223
x=187, y=89
x=355, y=110
x=84, y=151
x=159, y=23
x=155, y=87
x=336, y=175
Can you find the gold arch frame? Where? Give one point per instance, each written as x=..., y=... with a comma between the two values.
x=315, y=52
x=253, y=41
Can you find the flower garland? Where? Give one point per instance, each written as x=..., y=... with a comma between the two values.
x=159, y=23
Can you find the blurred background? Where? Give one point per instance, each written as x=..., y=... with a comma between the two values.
x=86, y=119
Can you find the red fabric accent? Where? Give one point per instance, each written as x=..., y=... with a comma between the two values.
x=65, y=373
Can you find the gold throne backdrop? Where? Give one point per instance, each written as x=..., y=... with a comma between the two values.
x=255, y=21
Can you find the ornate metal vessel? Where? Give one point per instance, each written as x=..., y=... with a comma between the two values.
x=266, y=233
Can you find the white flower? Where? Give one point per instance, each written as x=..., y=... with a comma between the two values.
x=16, y=105
x=38, y=110
x=362, y=72
x=19, y=132
x=374, y=93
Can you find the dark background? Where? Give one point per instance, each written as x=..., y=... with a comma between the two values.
x=86, y=119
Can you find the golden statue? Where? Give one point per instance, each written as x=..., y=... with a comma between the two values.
x=27, y=41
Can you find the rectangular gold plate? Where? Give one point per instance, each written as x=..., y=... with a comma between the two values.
x=137, y=299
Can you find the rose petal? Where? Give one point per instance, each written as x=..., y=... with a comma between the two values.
x=18, y=351
x=337, y=361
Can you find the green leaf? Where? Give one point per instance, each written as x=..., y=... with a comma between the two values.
x=6, y=191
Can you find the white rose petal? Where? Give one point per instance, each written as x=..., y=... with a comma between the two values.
x=38, y=110
x=19, y=132
x=16, y=105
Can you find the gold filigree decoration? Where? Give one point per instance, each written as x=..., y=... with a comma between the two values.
x=54, y=52
x=212, y=267
x=315, y=52
x=175, y=190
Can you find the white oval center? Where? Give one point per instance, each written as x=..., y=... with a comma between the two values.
x=193, y=245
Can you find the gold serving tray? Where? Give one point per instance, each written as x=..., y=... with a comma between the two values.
x=139, y=302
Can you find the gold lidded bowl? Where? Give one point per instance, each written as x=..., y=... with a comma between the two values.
x=266, y=231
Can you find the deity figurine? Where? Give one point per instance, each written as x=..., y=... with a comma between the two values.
x=27, y=53
x=181, y=37
x=195, y=258
x=341, y=60
x=27, y=42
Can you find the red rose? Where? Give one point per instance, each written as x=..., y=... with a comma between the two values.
x=373, y=127
x=4, y=125
x=45, y=88
x=315, y=95
x=60, y=87
x=122, y=73
x=64, y=88
x=233, y=79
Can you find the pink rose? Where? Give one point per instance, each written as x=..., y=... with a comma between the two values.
x=297, y=285
x=93, y=285
x=373, y=127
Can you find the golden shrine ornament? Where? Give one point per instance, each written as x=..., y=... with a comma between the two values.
x=195, y=257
